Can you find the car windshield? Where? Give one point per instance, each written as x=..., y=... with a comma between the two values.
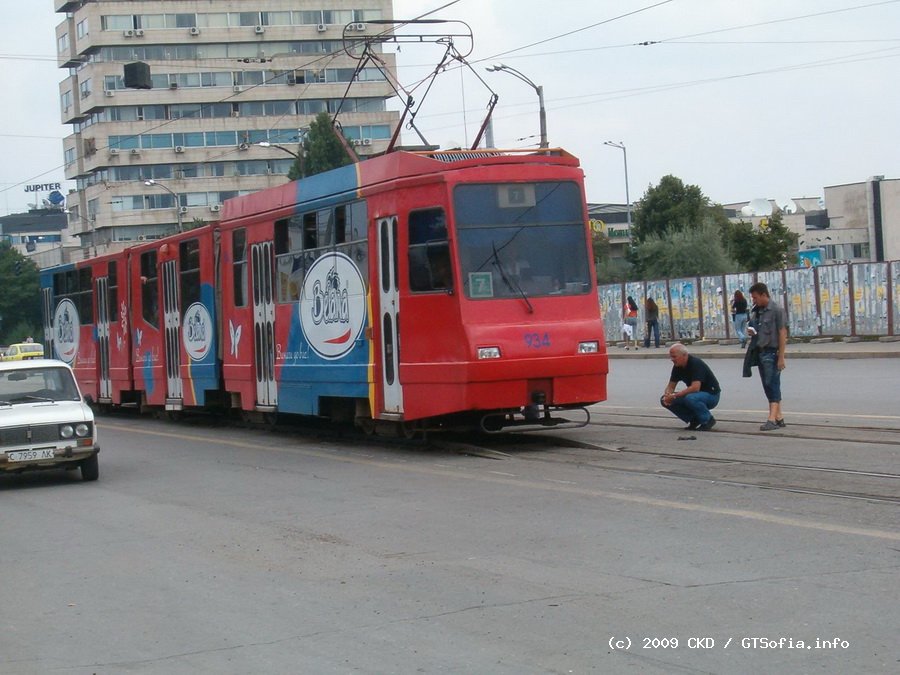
x=34, y=348
x=522, y=239
x=28, y=385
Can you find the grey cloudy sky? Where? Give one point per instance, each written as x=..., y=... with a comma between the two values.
x=745, y=98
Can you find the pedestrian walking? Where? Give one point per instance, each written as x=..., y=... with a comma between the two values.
x=739, y=317
x=768, y=329
x=651, y=316
x=629, y=318
x=693, y=403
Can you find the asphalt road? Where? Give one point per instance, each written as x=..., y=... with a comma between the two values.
x=210, y=550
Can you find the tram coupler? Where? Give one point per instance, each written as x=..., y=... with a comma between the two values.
x=532, y=418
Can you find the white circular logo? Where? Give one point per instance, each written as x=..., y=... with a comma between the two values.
x=332, y=305
x=66, y=331
x=196, y=332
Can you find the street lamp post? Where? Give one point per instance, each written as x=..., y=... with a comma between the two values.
x=500, y=67
x=150, y=183
x=299, y=156
x=621, y=146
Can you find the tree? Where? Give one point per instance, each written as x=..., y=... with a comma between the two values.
x=689, y=252
x=768, y=247
x=669, y=206
x=321, y=150
x=20, y=301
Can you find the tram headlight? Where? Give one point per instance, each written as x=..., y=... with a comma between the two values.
x=488, y=353
x=590, y=347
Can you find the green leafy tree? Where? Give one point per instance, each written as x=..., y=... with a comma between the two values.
x=694, y=251
x=757, y=249
x=321, y=150
x=20, y=299
x=668, y=207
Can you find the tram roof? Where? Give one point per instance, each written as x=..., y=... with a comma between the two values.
x=391, y=166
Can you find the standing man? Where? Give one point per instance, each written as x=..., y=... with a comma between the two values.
x=693, y=403
x=771, y=341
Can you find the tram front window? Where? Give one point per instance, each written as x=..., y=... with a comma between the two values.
x=520, y=239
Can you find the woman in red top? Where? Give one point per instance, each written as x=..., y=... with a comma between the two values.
x=630, y=316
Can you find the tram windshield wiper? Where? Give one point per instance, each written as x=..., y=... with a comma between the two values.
x=511, y=283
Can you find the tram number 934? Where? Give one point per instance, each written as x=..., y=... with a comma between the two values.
x=537, y=341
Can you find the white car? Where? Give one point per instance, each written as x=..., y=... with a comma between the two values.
x=44, y=421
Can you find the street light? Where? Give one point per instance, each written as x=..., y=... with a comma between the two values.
x=150, y=183
x=621, y=146
x=299, y=156
x=500, y=67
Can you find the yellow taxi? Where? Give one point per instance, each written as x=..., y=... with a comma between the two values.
x=23, y=350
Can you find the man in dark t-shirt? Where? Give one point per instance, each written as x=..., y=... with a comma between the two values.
x=700, y=395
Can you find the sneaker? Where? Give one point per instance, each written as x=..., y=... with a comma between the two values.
x=708, y=425
x=769, y=426
x=780, y=423
x=626, y=348
x=693, y=426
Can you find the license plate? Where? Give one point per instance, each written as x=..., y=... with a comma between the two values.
x=29, y=455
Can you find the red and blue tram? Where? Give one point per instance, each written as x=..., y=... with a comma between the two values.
x=426, y=289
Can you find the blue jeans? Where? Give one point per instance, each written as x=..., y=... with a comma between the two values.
x=770, y=375
x=694, y=407
x=652, y=326
x=740, y=327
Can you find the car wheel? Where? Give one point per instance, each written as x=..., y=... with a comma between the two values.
x=90, y=468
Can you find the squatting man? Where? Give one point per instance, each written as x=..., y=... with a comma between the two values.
x=693, y=403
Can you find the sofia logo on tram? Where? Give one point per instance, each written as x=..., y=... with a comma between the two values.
x=332, y=305
x=66, y=330
x=196, y=333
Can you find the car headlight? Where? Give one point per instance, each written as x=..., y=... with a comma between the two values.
x=66, y=431
x=591, y=347
x=82, y=429
x=489, y=352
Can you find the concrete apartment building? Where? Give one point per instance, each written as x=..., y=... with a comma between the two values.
x=227, y=76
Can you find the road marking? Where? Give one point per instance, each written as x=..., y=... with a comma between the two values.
x=546, y=485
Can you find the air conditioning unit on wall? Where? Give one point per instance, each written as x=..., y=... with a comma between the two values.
x=215, y=207
x=179, y=149
x=259, y=29
x=321, y=27
x=182, y=210
x=195, y=30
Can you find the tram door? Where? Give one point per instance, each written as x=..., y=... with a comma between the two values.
x=262, y=276
x=389, y=295
x=172, y=325
x=102, y=293
x=49, y=342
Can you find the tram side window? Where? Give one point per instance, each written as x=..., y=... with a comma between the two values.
x=113, y=292
x=239, y=257
x=84, y=297
x=289, y=237
x=149, y=289
x=76, y=285
x=429, y=252
x=189, y=252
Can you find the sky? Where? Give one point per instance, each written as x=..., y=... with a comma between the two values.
x=743, y=98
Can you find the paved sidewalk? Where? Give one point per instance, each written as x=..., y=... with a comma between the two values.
x=795, y=350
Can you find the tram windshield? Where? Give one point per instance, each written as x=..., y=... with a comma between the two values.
x=521, y=239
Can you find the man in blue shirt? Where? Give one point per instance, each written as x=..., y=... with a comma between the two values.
x=693, y=403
